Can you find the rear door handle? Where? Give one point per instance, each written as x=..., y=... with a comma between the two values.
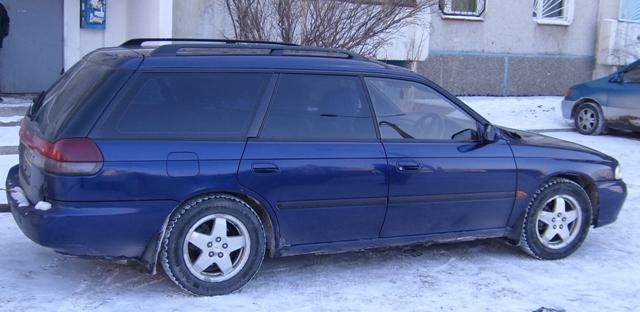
x=265, y=168
x=408, y=166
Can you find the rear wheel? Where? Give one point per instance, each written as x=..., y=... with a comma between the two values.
x=557, y=220
x=213, y=245
x=589, y=119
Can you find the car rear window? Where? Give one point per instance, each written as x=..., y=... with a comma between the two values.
x=185, y=106
x=67, y=94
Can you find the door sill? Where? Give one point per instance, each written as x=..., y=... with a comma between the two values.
x=355, y=245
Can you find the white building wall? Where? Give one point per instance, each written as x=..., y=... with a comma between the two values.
x=210, y=19
x=508, y=27
x=201, y=19
x=126, y=19
x=618, y=41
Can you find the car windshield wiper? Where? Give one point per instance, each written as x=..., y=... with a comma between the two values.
x=394, y=115
x=345, y=116
x=36, y=104
x=395, y=127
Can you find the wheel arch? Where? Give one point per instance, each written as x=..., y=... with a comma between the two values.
x=583, y=180
x=149, y=258
x=586, y=100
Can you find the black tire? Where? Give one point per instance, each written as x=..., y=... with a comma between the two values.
x=181, y=223
x=534, y=229
x=589, y=119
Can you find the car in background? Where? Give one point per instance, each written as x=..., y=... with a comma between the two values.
x=609, y=102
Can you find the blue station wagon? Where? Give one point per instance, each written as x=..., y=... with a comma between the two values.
x=206, y=156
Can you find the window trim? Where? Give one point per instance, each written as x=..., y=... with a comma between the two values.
x=478, y=16
x=464, y=109
x=567, y=20
x=620, y=8
x=365, y=97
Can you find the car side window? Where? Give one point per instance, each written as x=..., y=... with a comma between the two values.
x=632, y=76
x=186, y=106
x=318, y=107
x=410, y=110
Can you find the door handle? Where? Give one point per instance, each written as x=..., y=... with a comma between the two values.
x=408, y=166
x=265, y=168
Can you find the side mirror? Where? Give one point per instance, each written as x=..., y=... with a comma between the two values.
x=490, y=133
x=618, y=77
x=465, y=135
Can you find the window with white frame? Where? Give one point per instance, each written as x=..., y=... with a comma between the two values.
x=630, y=11
x=464, y=8
x=553, y=11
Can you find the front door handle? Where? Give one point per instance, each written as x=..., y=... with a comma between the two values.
x=265, y=168
x=408, y=166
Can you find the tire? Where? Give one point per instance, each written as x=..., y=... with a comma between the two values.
x=589, y=119
x=548, y=231
x=213, y=245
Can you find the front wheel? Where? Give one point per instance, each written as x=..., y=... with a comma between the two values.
x=213, y=245
x=589, y=119
x=557, y=220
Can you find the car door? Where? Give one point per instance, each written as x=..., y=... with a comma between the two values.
x=442, y=177
x=623, y=95
x=318, y=162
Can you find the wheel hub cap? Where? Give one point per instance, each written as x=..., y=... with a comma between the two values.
x=587, y=119
x=559, y=221
x=216, y=247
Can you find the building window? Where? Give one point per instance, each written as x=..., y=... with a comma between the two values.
x=558, y=12
x=464, y=8
x=630, y=11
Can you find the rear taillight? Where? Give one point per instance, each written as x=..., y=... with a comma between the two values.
x=567, y=92
x=74, y=156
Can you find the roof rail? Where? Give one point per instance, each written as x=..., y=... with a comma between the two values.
x=252, y=49
x=137, y=42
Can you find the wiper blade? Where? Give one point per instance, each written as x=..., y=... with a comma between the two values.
x=36, y=104
x=345, y=116
x=395, y=127
x=395, y=115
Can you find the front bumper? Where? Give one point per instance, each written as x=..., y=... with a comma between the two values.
x=611, y=197
x=115, y=230
x=567, y=108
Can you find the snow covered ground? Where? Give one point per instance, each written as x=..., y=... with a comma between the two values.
x=604, y=275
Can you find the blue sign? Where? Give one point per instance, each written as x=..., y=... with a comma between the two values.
x=93, y=14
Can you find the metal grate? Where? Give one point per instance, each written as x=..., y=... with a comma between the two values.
x=474, y=8
x=550, y=9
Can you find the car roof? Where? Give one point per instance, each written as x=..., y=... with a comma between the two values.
x=252, y=56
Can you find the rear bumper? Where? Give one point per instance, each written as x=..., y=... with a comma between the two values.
x=612, y=195
x=118, y=230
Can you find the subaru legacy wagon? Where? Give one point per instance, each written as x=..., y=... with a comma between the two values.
x=206, y=157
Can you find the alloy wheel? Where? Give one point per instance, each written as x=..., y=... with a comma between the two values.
x=216, y=248
x=559, y=221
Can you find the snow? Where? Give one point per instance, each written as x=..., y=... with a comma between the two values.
x=42, y=205
x=9, y=136
x=16, y=101
x=489, y=275
x=11, y=119
x=526, y=113
x=6, y=162
x=18, y=195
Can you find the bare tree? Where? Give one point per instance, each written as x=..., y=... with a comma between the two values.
x=363, y=26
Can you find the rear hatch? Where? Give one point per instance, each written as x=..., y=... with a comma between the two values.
x=45, y=149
